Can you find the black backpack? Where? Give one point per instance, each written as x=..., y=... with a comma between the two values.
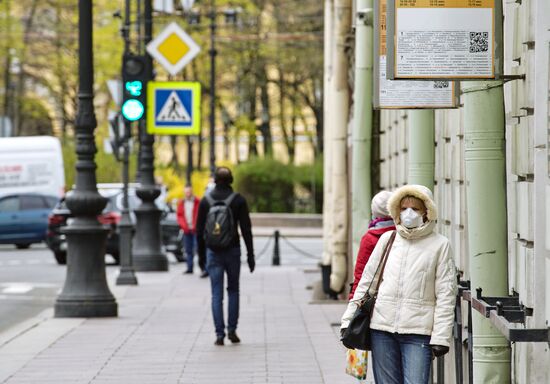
x=219, y=229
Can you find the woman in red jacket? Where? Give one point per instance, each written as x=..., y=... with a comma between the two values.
x=381, y=222
x=187, y=211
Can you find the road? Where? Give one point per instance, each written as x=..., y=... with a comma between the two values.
x=29, y=282
x=30, y=279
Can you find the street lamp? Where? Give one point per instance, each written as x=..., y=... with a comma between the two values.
x=230, y=16
x=85, y=293
x=212, y=53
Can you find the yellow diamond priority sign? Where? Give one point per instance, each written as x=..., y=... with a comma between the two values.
x=173, y=48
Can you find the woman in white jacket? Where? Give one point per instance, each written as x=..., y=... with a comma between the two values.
x=414, y=311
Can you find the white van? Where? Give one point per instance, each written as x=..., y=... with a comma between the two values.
x=32, y=164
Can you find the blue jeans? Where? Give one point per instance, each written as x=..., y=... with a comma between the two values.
x=400, y=359
x=189, y=241
x=218, y=263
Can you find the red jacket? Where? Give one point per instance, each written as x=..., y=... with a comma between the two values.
x=181, y=215
x=368, y=242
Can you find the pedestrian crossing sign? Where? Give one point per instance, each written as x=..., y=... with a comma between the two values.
x=173, y=107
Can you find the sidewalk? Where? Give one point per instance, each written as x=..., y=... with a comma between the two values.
x=164, y=334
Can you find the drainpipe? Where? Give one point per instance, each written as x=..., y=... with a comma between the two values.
x=328, y=119
x=422, y=147
x=327, y=164
x=340, y=109
x=362, y=123
x=485, y=163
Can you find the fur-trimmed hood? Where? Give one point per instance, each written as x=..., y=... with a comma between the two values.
x=419, y=191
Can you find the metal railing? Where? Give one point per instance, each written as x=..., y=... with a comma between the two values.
x=506, y=313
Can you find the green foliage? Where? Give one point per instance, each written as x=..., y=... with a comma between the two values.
x=271, y=186
x=267, y=185
x=108, y=170
x=310, y=178
x=69, y=162
x=36, y=119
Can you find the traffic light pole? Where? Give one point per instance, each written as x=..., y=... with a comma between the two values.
x=147, y=249
x=85, y=292
x=126, y=275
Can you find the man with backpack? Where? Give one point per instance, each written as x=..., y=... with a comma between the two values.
x=220, y=212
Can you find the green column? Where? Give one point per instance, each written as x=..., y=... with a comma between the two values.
x=362, y=123
x=485, y=150
x=421, y=147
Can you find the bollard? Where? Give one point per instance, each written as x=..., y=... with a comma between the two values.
x=276, y=254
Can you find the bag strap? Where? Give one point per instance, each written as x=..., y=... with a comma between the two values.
x=229, y=198
x=382, y=264
x=387, y=250
x=226, y=201
x=210, y=199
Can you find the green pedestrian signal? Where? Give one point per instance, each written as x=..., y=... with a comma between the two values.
x=132, y=110
x=135, y=74
x=134, y=87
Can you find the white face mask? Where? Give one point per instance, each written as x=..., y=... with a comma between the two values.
x=410, y=218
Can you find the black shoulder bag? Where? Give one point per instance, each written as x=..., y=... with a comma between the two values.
x=357, y=335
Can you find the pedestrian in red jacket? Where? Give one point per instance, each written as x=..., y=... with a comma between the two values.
x=187, y=211
x=381, y=222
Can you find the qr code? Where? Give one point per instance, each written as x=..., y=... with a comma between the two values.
x=441, y=84
x=479, y=42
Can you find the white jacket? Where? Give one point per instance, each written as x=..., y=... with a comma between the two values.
x=418, y=290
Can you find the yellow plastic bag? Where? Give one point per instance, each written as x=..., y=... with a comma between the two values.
x=356, y=363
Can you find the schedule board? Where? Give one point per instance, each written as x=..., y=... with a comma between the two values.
x=444, y=39
x=405, y=94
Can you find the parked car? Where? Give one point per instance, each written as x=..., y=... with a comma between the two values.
x=172, y=235
x=170, y=229
x=60, y=217
x=24, y=218
x=110, y=217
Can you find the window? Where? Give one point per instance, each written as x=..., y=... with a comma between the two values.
x=51, y=201
x=29, y=202
x=9, y=204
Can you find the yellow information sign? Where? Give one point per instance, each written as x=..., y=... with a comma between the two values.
x=173, y=107
x=445, y=3
x=444, y=39
x=404, y=93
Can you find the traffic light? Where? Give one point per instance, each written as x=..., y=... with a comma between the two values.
x=135, y=74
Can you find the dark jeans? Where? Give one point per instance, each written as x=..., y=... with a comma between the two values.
x=400, y=359
x=189, y=243
x=218, y=263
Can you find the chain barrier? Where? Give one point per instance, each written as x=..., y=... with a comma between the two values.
x=264, y=249
x=303, y=253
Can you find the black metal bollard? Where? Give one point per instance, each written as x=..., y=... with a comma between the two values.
x=276, y=253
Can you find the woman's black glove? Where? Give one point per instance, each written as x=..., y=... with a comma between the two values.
x=342, y=331
x=439, y=350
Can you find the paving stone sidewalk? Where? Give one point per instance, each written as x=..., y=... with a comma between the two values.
x=164, y=334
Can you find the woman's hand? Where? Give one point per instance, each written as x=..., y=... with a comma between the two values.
x=342, y=331
x=439, y=350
